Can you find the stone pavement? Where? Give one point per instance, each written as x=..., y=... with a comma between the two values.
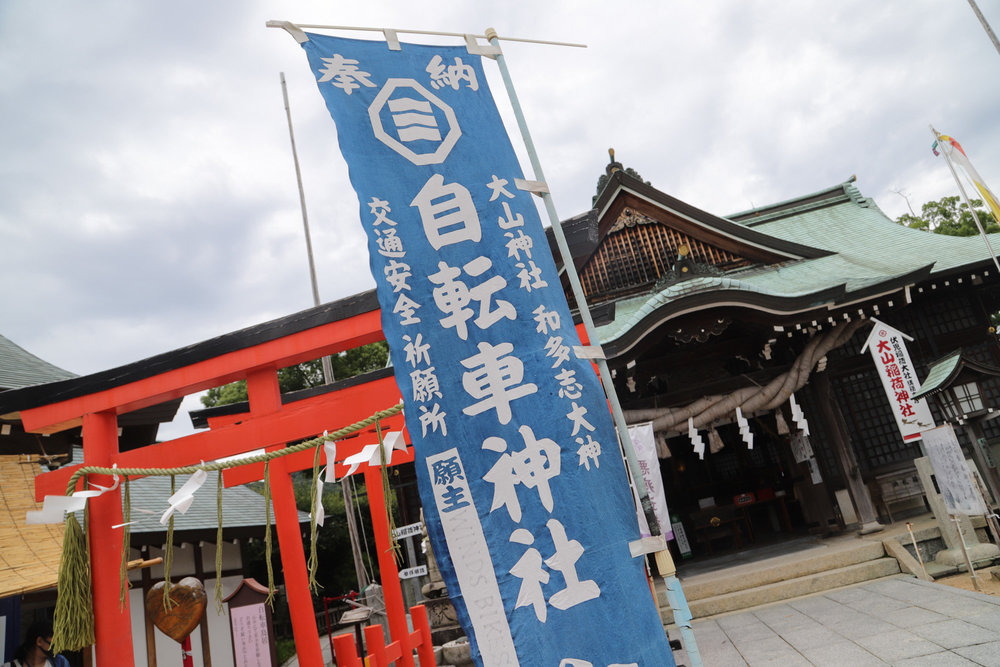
x=899, y=620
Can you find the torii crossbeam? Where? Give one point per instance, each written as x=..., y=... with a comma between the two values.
x=255, y=355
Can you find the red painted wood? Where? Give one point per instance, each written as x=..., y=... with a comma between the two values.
x=302, y=419
x=226, y=420
x=112, y=625
x=263, y=391
x=391, y=590
x=265, y=399
x=346, y=651
x=421, y=635
x=268, y=425
x=287, y=351
x=293, y=562
x=375, y=641
x=188, y=659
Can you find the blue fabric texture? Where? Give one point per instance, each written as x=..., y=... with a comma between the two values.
x=520, y=474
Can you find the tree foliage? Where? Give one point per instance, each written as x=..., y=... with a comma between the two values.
x=309, y=374
x=336, y=573
x=333, y=543
x=951, y=216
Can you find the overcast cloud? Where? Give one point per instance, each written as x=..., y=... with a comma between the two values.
x=147, y=192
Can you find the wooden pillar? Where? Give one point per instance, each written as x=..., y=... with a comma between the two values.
x=199, y=573
x=112, y=624
x=391, y=589
x=147, y=583
x=265, y=398
x=845, y=454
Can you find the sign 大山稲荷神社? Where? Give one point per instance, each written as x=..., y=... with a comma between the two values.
x=522, y=482
x=899, y=380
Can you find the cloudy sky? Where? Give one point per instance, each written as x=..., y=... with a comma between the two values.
x=147, y=191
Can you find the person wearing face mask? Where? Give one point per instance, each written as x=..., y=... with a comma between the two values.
x=36, y=649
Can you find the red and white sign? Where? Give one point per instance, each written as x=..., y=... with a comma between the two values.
x=899, y=380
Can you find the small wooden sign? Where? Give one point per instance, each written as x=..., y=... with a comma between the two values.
x=251, y=626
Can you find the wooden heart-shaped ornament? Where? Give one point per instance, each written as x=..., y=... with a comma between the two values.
x=189, y=601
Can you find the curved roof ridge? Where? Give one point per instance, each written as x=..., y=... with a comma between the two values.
x=20, y=368
x=842, y=192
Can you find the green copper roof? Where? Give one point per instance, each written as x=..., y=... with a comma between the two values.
x=939, y=374
x=19, y=368
x=869, y=252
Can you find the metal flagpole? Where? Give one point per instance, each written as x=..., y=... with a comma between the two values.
x=328, y=378
x=965, y=198
x=986, y=25
x=664, y=562
x=289, y=26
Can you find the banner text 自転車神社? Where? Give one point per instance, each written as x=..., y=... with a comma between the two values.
x=520, y=475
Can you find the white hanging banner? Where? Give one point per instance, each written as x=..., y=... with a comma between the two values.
x=888, y=349
x=644, y=443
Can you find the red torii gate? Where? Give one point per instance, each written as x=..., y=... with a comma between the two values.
x=255, y=355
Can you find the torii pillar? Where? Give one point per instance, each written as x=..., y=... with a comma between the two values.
x=112, y=629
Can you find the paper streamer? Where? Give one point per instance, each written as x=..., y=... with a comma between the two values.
x=330, y=451
x=699, y=444
x=745, y=431
x=370, y=453
x=797, y=416
x=54, y=508
x=318, y=510
x=181, y=501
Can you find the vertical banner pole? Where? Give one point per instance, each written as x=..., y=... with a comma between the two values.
x=302, y=195
x=965, y=198
x=664, y=561
x=347, y=483
x=986, y=26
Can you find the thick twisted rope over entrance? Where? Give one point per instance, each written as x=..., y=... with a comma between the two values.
x=74, y=621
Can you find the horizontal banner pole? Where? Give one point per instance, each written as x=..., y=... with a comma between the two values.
x=282, y=24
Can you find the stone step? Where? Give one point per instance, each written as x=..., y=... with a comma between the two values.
x=808, y=584
x=774, y=570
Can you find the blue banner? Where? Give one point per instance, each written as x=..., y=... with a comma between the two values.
x=523, y=487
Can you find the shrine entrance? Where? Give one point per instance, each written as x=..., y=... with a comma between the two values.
x=738, y=498
x=270, y=422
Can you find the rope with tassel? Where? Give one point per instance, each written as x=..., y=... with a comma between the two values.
x=317, y=501
x=73, y=624
x=397, y=551
x=168, y=558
